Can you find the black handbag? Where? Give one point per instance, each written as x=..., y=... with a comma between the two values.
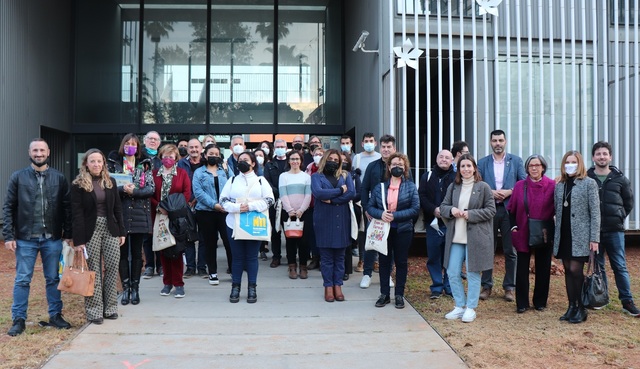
x=540, y=231
x=595, y=292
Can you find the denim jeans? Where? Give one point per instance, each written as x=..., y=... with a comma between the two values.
x=190, y=254
x=457, y=256
x=26, y=253
x=435, y=254
x=245, y=257
x=331, y=265
x=501, y=221
x=613, y=244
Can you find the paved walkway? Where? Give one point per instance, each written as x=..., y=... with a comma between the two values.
x=289, y=327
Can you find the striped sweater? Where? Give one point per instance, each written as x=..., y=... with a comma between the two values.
x=295, y=191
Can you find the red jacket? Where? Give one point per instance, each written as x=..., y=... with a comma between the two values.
x=179, y=184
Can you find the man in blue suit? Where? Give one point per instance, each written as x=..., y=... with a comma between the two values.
x=501, y=171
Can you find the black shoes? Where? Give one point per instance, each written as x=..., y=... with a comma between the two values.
x=189, y=273
x=59, y=322
x=571, y=311
x=235, y=293
x=252, y=295
x=399, y=302
x=579, y=316
x=630, y=308
x=383, y=300
x=97, y=321
x=521, y=310
x=17, y=328
x=113, y=316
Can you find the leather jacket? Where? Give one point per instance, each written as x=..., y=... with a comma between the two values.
x=19, y=204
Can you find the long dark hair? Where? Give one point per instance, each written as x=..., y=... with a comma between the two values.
x=476, y=176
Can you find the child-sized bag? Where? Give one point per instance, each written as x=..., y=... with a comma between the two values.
x=378, y=230
x=162, y=237
x=77, y=278
x=293, y=229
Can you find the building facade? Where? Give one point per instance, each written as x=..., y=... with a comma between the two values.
x=554, y=75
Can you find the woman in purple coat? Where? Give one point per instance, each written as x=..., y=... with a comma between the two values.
x=540, y=204
x=332, y=188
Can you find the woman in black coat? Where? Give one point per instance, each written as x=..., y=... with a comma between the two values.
x=98, y=229
x=129, y=161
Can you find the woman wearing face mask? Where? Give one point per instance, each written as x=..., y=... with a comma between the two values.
x=260, y=160
x=468, y=209
x=98, y=228
x=294, y=187
x=332, y=189
x=128, y=159
x=346, y=166
x=403, y=205
x=308, y=228
x=256, y=195
x=168, y=180
x=577, y=205
x=208, y=181
x=267, y=148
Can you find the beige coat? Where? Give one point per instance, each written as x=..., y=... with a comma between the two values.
x=482, y=209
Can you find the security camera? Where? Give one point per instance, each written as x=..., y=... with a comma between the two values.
x=360, y=43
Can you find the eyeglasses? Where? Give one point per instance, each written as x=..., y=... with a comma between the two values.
x=535, y=165
x=294, y=159
x=153, y=139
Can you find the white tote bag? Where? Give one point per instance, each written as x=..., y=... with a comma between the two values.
x=378, y=231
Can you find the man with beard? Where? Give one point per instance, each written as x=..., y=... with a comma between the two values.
x=37, y=215
x=616, y=202
x=501, y=171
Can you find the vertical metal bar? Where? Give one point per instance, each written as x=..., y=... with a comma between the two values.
x=530, y=64
x=552, y=93
x=519, y=64
x=636, y=110
x=605, y=70
x=574, y=80
x=440, y=104
x=627, y=76
x=416, y=94
x=475, y=82
x=496, y=74
x=463, y=110
x=402, y=127
x=563, y=58
x=583, y=76
x=207, y=80
x=140, y=66
x=451, y=89
x=541, y=77
x=392, y=79
x=508, y=65
x=596, y=101
x=276, y=46
x=616, y=78
x=485, y=55
x=427, y=95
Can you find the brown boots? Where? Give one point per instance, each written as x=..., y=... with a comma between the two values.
x=293, y=274
x=304, y=273
x=337, y=291
x=328, y=294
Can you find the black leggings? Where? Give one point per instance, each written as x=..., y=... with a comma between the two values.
x=573, y=278
x=133, y=242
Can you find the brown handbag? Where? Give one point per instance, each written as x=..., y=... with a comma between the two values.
x=77, y=278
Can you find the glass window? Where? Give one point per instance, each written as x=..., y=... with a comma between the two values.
x=622, y=12
x=430, y=7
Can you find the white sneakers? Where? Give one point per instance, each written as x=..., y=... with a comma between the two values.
x=466, y=315
x=469, y=315
x=365, y=282
x=456, y=313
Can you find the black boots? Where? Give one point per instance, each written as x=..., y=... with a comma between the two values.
x=252, y=296
x=126, y=292
x=135, y=296
x=580, y=315
x=571, y=310
x=235, y=293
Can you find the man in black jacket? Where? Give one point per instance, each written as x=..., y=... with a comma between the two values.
x=36, y=215
x=433, y=188
x=272, y=171
x=616, y=202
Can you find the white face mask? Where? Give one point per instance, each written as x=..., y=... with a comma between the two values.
x=316, y=159
x=238, y=149
x=369, y=146
x=571, y=169
x=266, y=150
x=260, y=159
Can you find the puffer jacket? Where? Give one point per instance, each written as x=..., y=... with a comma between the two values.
x=19, y=205
x=136, y=208
x=407, y=209
x=616, y=199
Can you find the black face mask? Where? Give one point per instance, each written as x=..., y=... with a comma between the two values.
x=397, y=172
x=183, y=151
x=330, y=167
x=313, y=147
x=346, y=167
x=243, y=166
x=39, y=165
x=212, y=160
x=297, y=147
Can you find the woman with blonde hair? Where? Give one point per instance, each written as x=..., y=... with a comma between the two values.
x=577, y=204
x=98, y=228
x=333, y=189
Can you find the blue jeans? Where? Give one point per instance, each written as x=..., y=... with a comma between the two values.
x=245, y=257
x=190, y=255
x=457, y=256
x=26, y=253
x=613, y=244
x=331, y=266
x=435, y=254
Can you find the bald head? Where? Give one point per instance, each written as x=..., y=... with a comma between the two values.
x=444, y=159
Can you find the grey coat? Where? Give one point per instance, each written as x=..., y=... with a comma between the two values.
x=585, y=215
x=482, y=209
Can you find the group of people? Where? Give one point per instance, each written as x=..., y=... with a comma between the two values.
x=467, y=204
x=334, y=194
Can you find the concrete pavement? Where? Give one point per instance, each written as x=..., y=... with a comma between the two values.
x=291, y=326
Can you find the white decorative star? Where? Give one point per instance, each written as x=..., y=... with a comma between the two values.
x=488, y=6
x=407, y=54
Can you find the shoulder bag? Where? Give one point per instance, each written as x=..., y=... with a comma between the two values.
x=77, y=278
x=540, y=231
x=595, y=292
